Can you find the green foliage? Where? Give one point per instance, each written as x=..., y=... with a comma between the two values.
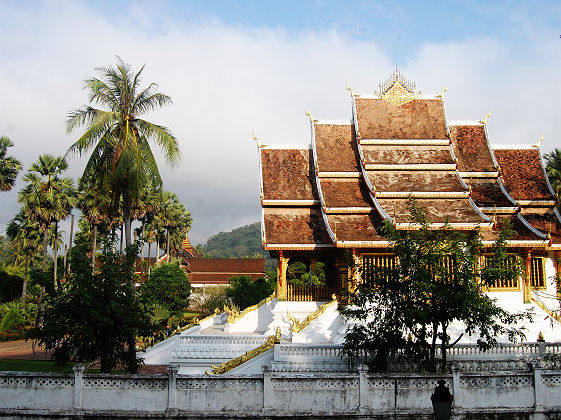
x=10, y=286
x=553, y=169
x=13, y=320
x=244, y=291
x=298, y=274
x=208, y=300
x=167, y=287
x=241, y=242
x=9, y=166
x=405, y=310
x=95, y=313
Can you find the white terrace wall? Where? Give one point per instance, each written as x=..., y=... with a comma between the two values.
x=531, y=394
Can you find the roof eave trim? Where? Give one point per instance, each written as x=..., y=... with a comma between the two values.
x=530, y=227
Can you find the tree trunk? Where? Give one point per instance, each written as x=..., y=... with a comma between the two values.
x=24, y=286
x=157, y=248
x=432, y=365
x=64, y=263
x=55, y=248
x=71, y=235
x=142, y=247
x=42, y=290
x=167, y=246
x=127, y=221
x=121, y=246
x=149, y=255
x=94, y=234
x=443, y=346
x=127, y=218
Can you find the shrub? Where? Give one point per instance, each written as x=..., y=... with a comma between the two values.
x=169, y=287
x=13, y=320
x=244, y=291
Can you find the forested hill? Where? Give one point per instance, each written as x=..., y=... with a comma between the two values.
x=241, y=242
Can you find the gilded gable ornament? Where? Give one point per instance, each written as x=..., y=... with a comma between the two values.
x=397, y=90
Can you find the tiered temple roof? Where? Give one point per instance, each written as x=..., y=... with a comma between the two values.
x=397, y=145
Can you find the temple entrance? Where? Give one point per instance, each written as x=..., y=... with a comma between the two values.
x=310, y=280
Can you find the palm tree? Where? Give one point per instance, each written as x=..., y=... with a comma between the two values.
x=26, y=241
x=174, y=218
x=553, y=169
x=47, y=198
x=9, y=166
x=121, y=156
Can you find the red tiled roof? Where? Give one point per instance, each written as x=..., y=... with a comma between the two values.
x=345, y=192
x=437, y=211
x=407, y=181
x=486, y=192
x=294, y=225
x=522, y=174
x=418, y=119
x=336, y=148
x=226, y=265
x=471, y=148
x=286, y=174
x=405, y=154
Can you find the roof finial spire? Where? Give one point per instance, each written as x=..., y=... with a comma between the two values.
x=310, y=116
x=539, y=142
x=256, y=139
x=442, y=92
x=397, y=89
x=350, y=90
x=484, y=120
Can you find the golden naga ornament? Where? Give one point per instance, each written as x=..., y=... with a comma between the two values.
x=397, y=90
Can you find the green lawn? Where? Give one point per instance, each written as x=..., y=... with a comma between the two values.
x=34, y=366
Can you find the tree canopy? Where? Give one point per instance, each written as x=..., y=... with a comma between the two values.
x=9, y=165
x=406, y=308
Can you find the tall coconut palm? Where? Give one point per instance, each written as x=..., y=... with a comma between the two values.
x=120, y=139
x=47, y=198
x=9, y=166
x=553, y=169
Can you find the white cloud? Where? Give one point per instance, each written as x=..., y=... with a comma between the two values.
x=226, y=82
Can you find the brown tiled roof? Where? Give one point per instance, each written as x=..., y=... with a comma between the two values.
x=522, y=232
x=437, y=211
x=390, y=154
x=345, y=192
x=407, y=181
x=287, y=174
x=294, y=225
x=356, y=227
x=522, y=174
x=471, y=148
x=227, y=265
x=545, y=221
x=486, y=192
x=418, y=119
x=336, y=148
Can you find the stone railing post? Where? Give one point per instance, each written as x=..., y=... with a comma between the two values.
x=456, y=372
x=538, y=385
x=362, y=387
x=78, y=386
x=172, y=387
x=267, y=388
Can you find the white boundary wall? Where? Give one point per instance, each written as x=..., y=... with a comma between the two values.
x=534, y=394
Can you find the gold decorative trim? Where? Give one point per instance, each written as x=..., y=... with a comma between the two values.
x=436, y=226
x=405, y=142
x=298, y=326
x=547, y=310
x=231, y=364
x=339, y=174
x=397, y=90
x=536, y=203
x=421, y=194
x=411, y=167
x=479, y=174
x=233, y=318
x=350, y=210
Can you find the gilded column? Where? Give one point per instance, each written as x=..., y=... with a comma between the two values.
x=526, y=280
x=557, y=261
x=282, y=265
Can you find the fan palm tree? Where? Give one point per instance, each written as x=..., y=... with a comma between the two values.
x=174, y=218
x=553, y=169
x=121, y=157
x=47, y=198
x=9, y=166
x=26, y=241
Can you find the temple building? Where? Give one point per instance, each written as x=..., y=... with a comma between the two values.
x=327, y=202
x=323, y=209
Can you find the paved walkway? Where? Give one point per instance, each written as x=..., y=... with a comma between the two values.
x=22, y=349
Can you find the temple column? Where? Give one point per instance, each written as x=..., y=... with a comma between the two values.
x=343, y=274
x=526, y=280
x=282, y=266
x=557, y=263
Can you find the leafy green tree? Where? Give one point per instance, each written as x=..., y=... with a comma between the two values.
x=9, y=165
x=168, y=287
x=96, y=312
x=405, y=310
x=10, y=286
x=244, y=291
x=553, y=169
x=174, y=219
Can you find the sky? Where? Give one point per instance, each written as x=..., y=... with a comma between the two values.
x=237, y=67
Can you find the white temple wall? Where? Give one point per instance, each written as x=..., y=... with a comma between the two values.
x=532, y=393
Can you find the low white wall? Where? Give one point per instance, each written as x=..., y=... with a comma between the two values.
x=277, y=394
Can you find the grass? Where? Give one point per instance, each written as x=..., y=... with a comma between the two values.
x=34, y=366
